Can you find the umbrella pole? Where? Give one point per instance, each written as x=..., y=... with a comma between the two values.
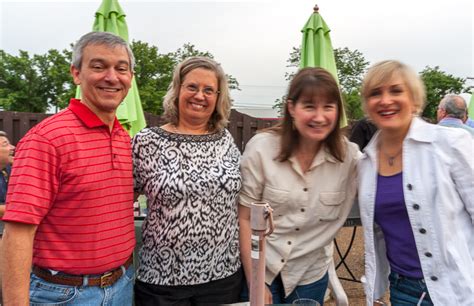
x=260, y=214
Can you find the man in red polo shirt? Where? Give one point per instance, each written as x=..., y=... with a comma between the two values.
x=69, y=211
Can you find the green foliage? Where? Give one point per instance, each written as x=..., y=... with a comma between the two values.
x=31, y=84
x=154, y=72
x=34, y=83
x=19, y=83
x=438, y=83
x=351, y=67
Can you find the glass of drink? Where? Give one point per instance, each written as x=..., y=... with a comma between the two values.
x=305, y=302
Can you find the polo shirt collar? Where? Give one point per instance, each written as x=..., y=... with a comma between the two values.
x=86, y=115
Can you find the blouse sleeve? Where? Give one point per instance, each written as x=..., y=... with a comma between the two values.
x=138, y=157
x=251, y=169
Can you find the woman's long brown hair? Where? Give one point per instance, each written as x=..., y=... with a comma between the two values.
x=318, y=82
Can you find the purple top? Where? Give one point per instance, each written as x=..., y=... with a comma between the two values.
x=391, y=215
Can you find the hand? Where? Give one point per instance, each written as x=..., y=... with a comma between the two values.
x=268, y=299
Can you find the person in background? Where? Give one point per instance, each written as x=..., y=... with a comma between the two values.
x=6, y=160
x=69, y=217
x=306, y=170
x=415, y=197
x=452, y=112
x=362, y=131
x=189, y=171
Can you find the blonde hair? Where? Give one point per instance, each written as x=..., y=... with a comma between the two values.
x=383, y=72
x=220, y=116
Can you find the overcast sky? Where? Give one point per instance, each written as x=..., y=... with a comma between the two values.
x=252, y=39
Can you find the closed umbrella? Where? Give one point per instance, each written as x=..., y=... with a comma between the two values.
x=316, y=48
x=471, y=107
x=111, y=18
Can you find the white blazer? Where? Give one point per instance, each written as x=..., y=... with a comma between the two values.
x=438, y=186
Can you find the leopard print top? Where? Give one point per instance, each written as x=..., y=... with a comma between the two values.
x=190, y=235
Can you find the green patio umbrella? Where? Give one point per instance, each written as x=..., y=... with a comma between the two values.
x=111, y=18
x=471, y=107
x=316, y=48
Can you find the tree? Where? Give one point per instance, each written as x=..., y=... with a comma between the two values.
x=438, y=83
x=36, y=83
x=351, y=67
x=154, y=72
x=57, y=86
x=20, y=84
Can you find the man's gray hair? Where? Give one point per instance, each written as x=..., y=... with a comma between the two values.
x=454, y=105
x=101, y=39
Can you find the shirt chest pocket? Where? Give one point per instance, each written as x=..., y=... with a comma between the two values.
x=330, y=205
x=278, y=200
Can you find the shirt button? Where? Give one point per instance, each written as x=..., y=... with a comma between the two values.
x=416, y=206
x=410, y=186
x=422, y=230
x=434, y=278
x=305, y=189
x=302, y=209
x=428, y=254
x=289, y=242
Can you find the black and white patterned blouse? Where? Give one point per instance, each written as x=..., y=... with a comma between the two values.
x=190, y=235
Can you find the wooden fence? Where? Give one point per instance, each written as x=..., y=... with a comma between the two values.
x=241, y=126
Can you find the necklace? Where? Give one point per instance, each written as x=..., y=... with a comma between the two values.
x=391, y=159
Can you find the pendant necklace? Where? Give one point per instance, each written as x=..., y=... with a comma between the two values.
x=391, y=159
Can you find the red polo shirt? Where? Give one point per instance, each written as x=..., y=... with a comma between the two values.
x=73, y=178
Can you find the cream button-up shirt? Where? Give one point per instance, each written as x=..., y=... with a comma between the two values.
x=309, y=208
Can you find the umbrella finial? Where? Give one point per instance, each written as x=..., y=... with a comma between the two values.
x=316, y=8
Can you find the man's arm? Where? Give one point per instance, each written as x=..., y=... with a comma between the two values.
x=15, y=262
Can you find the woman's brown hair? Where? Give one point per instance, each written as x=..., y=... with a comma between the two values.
x=318, y=82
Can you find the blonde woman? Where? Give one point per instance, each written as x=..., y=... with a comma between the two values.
x=416, y=197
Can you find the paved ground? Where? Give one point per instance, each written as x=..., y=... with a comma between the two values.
x=355, y=263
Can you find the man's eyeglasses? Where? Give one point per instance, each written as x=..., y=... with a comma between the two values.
x=208, y=92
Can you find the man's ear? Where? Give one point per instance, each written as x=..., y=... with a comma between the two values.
x=75, y=74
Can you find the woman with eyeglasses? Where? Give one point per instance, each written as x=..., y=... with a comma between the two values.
x=189, y=170
x=416, y=197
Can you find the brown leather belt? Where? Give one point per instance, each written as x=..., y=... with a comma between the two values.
x=104, y=280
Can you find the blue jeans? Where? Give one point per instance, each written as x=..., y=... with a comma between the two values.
x=313, y=291
x=43, y=293
x=408, y=291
